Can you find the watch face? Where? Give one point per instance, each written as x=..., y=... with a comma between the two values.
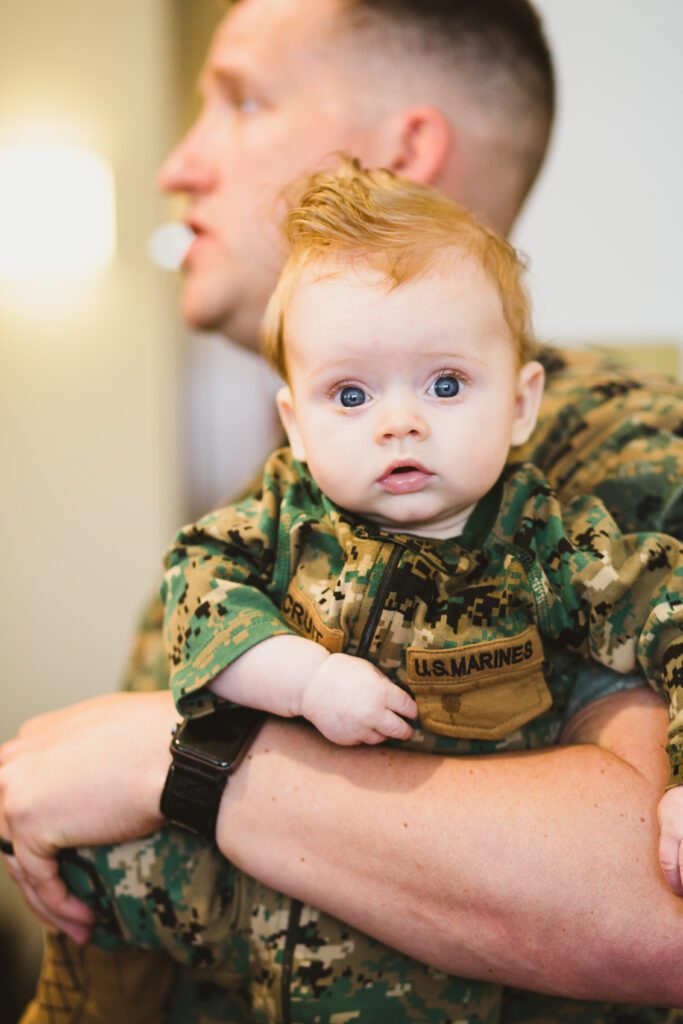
x=218, y=738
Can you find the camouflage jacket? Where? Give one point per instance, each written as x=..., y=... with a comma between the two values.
x=615, y=433
x=466, y=625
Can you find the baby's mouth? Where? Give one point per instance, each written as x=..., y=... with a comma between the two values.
x=405, y=478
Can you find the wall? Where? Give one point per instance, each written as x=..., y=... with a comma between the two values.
x=88, y=377
x=604, y=223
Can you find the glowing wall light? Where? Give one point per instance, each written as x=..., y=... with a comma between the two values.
x=57, y=213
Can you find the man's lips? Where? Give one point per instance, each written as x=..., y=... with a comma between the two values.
x=405, y=477
x=200, y=236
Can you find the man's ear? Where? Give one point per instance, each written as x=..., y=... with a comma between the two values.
x=285, y=407
x=415, y=142
x=530, y=380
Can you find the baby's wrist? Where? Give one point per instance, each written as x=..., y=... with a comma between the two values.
x=312, y=659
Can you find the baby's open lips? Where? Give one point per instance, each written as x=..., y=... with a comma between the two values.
x=404, y=466
x=404, y=476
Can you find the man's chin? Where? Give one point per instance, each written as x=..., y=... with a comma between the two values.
x=221, y=314
x=201, y=315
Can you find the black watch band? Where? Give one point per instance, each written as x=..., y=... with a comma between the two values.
x=206, y=750
x=191, y=798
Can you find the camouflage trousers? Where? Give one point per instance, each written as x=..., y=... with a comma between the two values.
x=252, y=954
x=245, y=954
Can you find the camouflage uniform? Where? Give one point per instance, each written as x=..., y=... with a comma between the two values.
x=457, y=622
x=601, y=432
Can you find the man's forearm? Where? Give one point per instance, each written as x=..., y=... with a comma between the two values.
x=537, y=870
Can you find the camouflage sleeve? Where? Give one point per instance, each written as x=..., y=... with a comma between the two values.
x=222, y=588
x=147, y=665
x=613, y=596
x=615, y=433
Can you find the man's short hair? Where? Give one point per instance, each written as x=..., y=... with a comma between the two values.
x=493, y=52
x=401, y=230
x=485, y=34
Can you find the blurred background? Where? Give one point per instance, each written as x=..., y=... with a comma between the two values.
x=116, y=426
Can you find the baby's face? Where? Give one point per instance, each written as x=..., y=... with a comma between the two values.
x=404, y=402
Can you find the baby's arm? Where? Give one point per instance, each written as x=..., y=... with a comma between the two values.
x=347, y=699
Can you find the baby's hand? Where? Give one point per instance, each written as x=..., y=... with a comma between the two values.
x=349, y=701
x=670, y=814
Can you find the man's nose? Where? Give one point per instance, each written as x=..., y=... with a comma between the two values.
x=399, y=420
x=189, y=166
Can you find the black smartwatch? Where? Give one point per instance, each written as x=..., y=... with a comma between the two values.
x=206, y=750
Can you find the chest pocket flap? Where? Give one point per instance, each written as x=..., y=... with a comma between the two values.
x=482, y=690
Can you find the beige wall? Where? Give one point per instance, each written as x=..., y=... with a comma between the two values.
x=603, y=225
x=88, y=385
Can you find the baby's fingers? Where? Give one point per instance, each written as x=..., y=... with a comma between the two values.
x=401, y=702
x=671, y=861
x=393, y=727
x=670, y=814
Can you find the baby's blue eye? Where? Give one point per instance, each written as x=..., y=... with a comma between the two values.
x=351, y=396
x=445, y=387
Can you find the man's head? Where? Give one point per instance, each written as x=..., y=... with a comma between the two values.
x=402, y=328
x=453, y=93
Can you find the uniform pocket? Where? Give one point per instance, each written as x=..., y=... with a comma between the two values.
x=481, y=690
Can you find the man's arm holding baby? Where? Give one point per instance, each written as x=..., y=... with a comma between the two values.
x=533, y=869
x=347, y=699
x=536, y=869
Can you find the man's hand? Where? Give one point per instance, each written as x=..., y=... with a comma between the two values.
x=350, y=701
x=670, y=816
x=88, y=774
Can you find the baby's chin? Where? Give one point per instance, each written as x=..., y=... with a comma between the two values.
x=440, y=527
x=409, y=524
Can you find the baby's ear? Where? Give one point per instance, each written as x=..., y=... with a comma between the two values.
x=530, y=381
x=285, y=407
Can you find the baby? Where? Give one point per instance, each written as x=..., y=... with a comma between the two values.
x=395, y=575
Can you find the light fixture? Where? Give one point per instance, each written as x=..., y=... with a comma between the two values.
x=168, y=245
x=57, y=213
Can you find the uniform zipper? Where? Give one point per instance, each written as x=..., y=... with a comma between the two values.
x=378, y=603
x=296, y=906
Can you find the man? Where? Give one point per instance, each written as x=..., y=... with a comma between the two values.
x=447, y=874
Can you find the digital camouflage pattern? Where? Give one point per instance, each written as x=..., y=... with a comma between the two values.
x=613, y=433
x=454, y=622
x=601, y=431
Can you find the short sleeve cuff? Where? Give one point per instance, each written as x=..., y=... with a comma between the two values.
x=594, y=681
x=189, y=682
